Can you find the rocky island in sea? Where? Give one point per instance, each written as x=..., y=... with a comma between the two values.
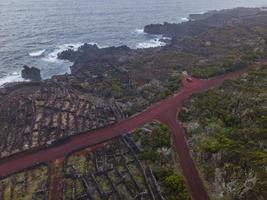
x=31, y=73
x=108, y=85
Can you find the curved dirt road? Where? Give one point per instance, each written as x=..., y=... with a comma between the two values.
x=164, y=111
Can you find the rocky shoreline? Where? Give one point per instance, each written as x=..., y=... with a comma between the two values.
x=200, y=23
x=118, y=81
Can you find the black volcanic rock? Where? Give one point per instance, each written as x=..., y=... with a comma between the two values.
x=71, y=55
x=202, y=16
x=156, y=29
x=93, y=52
x=31, y=73
x=118, y=81
x=199, y=23
x=90, y=62
x=185, y=29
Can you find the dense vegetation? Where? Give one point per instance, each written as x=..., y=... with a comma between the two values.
x=158, y=152
x=120, y=82
x=227, y=129
x=31, y=184
x=155, y=153
x=135, y=78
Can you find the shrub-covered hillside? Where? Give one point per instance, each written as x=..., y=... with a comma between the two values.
x=227, y=131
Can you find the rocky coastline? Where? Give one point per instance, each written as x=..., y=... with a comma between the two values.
x=31, y=73
x=225, y=128
x=118, y=81
x=200, y=23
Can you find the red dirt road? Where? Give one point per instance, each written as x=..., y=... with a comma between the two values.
x=164, y=111
x=194, y=183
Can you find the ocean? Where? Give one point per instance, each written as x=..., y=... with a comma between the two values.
x=32, y=32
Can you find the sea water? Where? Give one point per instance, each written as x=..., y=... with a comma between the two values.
x=33, y=32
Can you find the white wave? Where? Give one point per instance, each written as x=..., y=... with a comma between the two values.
x=139, y=31
x=13, y=77
x=184, y=19
x=150, y=44
x=37, y=53
x=52, y=57
x=166, y=38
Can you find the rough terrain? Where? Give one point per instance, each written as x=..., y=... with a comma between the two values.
x=112, y=91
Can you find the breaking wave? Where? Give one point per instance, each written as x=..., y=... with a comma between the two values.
x=139, y=31
x=12, y=77
x=151, y=44
x=184, y=19
x=52, y=57
x=37, y=53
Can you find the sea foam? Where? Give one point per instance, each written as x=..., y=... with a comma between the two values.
x=12, y=77
x=151, y=44
x=37, y=53
x=139, y=31
x=52, y=57
x=184, y=19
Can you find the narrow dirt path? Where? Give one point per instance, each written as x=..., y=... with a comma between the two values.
x=56, y=178
x=192, y=178
x=165, y=111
